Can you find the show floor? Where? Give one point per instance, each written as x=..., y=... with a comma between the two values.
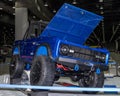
x=18, y=93
x=4, y=79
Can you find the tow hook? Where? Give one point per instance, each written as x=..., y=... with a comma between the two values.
x=98, y=71
x=76, y=67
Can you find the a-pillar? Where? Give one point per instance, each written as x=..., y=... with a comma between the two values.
x=21, y=20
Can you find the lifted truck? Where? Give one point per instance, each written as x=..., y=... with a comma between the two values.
x=59, y=50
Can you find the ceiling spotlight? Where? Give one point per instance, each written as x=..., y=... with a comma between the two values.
x=101, y=12
x=74, y=2
x=38, y=7
x=45, y=4
x=54, y=11
x=1, y=8
x=101, y=7
x=41, y=20
x=100, y=0
x=13, y=7
x=13, y=13
x=34, y=17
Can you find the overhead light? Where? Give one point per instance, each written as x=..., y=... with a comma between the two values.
x=54, y=11
x=34, y=17
x=74, y=2
x=38, y=7
x=101, y=7
x=101, y=12
x=41, y=20
x=100, y=0
x=45, y=4
x=1, y=8
x=13, y=7
x=13, y=13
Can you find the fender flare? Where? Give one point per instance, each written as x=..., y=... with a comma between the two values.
x=16, y=51
x=43, y=49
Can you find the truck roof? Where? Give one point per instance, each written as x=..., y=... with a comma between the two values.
x=72, y=24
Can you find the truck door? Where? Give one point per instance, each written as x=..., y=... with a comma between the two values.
x=31, y=38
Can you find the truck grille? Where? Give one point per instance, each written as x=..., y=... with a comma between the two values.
x=87, y=54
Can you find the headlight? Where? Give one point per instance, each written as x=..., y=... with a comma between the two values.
x=64, y=49
x=100, y=57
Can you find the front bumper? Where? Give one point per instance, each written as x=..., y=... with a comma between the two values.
x=83, y=65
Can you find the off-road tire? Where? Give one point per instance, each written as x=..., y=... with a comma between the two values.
x=97, y=81
x=42, y=71
x=16, y=69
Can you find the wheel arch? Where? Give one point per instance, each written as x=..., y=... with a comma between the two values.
x=16, y=51
x=43, y=49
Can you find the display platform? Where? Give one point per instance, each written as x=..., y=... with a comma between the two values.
x=11, y=93
x=4, y=79
x=109, y=82
x=18, y=93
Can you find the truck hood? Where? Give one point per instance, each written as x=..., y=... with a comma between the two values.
x=72, y=24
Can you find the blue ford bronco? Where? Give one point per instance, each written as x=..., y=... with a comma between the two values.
x=59, y=50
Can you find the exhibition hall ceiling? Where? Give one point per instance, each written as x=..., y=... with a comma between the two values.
x=107, y=31
x=7, y=19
